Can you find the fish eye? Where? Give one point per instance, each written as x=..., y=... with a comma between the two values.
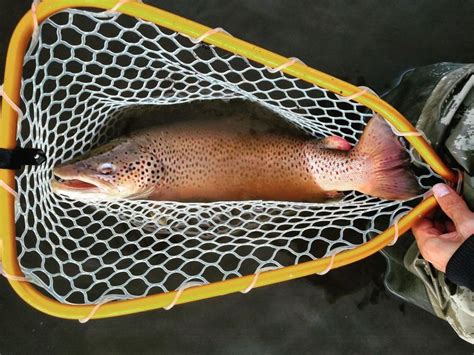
x=106, y=169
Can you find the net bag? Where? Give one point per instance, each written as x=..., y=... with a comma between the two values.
x=82, y=71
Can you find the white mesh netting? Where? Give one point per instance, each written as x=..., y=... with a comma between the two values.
x=81, y=75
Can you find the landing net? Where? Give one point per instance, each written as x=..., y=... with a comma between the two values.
x=80, y=76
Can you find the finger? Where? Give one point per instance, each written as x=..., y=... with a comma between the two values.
x=438, y=250
x=432, y=213
x=452, y=204
x=427, y=194
x=439, y=225
x=453, y=236
x=450, y=227
x=425, y=229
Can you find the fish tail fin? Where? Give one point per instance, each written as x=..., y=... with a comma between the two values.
x=387, y=163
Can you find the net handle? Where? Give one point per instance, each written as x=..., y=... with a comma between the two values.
x=255, y=278
x=179, y=292
x=10, y=276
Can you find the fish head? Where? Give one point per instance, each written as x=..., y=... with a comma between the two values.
x=120, y=169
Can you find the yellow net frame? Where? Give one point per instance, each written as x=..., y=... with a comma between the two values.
x=8, y=123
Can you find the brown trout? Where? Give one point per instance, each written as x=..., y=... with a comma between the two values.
x=196, y=164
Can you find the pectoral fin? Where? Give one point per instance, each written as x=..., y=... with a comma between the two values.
x=335, y=142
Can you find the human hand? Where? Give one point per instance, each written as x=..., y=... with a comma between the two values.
x=438, y=238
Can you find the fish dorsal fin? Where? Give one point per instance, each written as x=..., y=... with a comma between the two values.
x=335, y=142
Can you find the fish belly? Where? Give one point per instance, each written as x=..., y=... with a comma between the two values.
x=214, y=166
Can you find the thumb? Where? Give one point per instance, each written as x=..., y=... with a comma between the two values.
x=452, y=204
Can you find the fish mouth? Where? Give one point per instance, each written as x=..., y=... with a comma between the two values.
x=75, y=184
x=81, y=184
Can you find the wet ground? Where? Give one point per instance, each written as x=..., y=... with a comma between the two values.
x=348, y=310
